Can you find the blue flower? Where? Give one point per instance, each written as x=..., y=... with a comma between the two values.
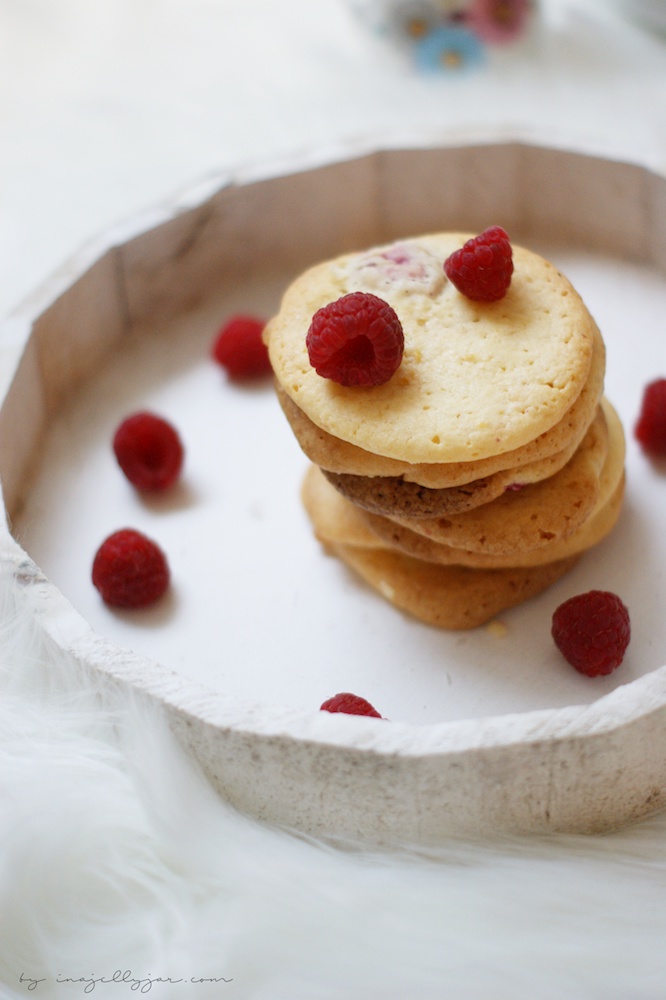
x=449, y=50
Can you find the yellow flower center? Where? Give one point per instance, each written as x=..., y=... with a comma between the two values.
x=416, y=27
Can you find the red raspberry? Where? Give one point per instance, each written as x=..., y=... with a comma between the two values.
x=350, y=704
x=240, y=349
x=592, y=632
x=356, y=340
x=482, y=268
x=650, y=430
x=130, y=570
x=149, y=451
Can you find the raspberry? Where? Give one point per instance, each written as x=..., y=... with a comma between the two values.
x=350, y=704
x=356, y=340
x=592, y=632
x=650, y=430
x=149, y=451
x=130, y=570
x=240, y=349
x=482, y=268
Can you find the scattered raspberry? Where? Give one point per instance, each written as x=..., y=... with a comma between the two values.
x=149, y=451
x=356, y=340
x=651, y=427
x=592, y=632
x=130, y=570
x=350, y=704
x=240, y=349
x=482, y=268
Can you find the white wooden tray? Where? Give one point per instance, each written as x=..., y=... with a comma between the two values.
x=489, y=732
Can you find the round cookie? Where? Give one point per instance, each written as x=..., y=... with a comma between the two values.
x=532, y=517
x=394, y=496
x=451, y=597
x=476, y=379
x=600, y=523
x=335, y=455
x=336, y=520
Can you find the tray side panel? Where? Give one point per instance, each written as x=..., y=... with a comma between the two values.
x=585, y=201
x=78, y=329
x=261, y=227
x=458, y=188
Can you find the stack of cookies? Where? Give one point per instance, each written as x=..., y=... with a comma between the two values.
x=489, y=461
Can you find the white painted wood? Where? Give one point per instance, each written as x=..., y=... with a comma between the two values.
x=582, y=768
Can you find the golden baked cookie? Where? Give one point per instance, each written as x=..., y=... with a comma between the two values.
x=336, y=521
x=532, y=517
x=393, y=495
x=600, y=523
x=451, y=597
x=335, y=455
x=476, y=379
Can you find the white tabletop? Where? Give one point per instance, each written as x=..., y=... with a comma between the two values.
x=107, y=108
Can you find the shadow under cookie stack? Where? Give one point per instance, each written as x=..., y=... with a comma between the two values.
x=448, y=391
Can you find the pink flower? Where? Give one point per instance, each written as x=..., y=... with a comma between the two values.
x=497, y=21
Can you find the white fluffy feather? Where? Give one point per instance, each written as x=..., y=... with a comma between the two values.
x=117, y=856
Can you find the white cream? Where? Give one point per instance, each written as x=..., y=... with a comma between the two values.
x=402, y=267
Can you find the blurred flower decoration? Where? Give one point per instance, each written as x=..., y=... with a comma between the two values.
x=449, y=36
x=411, y=20
x=449, y=50
x=498, y=21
